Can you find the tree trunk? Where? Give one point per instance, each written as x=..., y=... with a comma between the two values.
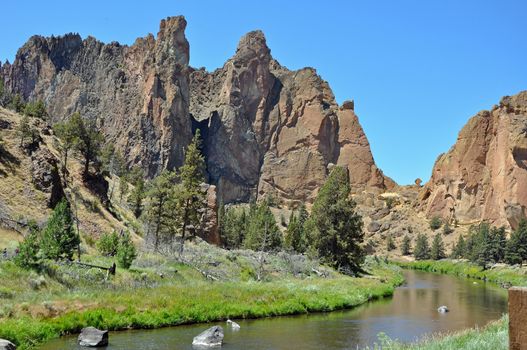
x=86, y=165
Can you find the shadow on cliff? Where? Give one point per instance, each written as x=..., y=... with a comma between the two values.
x=8, y=161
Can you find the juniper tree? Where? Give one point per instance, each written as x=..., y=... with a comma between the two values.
x=28, y=256
x=59, y=239
x=126, y=252
x=422, y=249
x=516, y=251
x=390, y=244
x=137, y=195
x=262, y=231
x=437, y=252
x=88, y=140
x=36, y=109
x=295, y=238
x=406, y=245
x=23, y=130
x=67, y=134
x=460, y=248
x=337, y=226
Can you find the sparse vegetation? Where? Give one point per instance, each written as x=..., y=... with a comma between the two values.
x=422, y=248
x=435, y=223
x=406, y=246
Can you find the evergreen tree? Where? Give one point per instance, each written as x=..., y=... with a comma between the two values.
x=36, y=109
x=295, y=237
x=435, y=223
x=192, y=176
x=108, y=244
x=126, y=252
x=17, y=104
x=28, y=251
x=88, y=140
x=422, y=249
x=67, y=134
x=496, y=245
x=447, y=229
x=59, y=239
x=390, y=244
x=338, y=227
x=438, y=248
x=516, y=251
x=233, y=227
x=406, y=246
x=23, y=130
x=460, y=249
x=137, y=195
x=262, y=231
x=158, y=213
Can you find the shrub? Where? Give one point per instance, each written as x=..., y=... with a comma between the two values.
x=406, y=246
x=108, y=244
x=422, y=249
x=126, y=252
x=435, y=223
x=390, y=244
x=28, y=256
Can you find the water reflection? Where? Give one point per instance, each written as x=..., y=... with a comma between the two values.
x=410, y=314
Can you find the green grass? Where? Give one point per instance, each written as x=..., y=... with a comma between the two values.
x=500, y=275
x=179, y=300
x=492, y=337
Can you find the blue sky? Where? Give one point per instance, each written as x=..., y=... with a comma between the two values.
x=417, y=70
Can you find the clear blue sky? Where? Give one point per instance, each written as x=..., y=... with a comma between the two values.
x=417, y=70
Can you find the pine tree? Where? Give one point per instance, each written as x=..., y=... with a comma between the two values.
x=422, y=249
x=390, y=244
x=406, y=246
x=28, y=251
x=59, y=239
x=460, y=249
x=262, y=231
x=192, y=176
x=516, y=251
x=23, y=130
x=65, y=131
x=137, y=195
x=338, y=227
x=496, y=245
x=36, y=109
x=126, y=252
x=295, y=237
x=232, y=228
x=158, y=214
x=17, y=104
x=435, y=223
x=88, y=140
x=437, y=251
x=108, y=244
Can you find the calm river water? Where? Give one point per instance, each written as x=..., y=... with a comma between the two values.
x=410, y=314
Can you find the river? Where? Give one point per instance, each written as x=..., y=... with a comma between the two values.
x=410, y=314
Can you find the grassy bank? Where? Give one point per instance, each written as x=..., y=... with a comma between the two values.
x=492, y=337
x=500, y=274
x=182, y=298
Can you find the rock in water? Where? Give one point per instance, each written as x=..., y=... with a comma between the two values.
x=233, y=325
x=6, y=345
x=92, y=337
x=442, y=309
x=211, y=337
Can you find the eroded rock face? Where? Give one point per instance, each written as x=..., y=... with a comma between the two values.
x=138, y=94
x=484, y=175
x=269, y=130
x=45, y=175
x=266, y=129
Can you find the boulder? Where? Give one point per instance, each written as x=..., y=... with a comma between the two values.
x=209, y=338
x=235, y=326
x=92, y=337
x=443, y=309
x=374, y=226
x=6, y=345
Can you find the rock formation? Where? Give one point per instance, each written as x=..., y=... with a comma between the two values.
x=484, y=175
x=266, y=129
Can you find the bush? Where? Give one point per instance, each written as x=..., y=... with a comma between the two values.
x=36, y=109
x=406, y=246
x=108, y=244
x=126, y=252
x=59, y=239
x=28, y=256
x=435, y=223
x=390, y=244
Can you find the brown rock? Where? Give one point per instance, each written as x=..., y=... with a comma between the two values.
x=484, y=175
x=45, y=175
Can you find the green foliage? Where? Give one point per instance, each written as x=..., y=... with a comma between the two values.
x=262, y=230
x=406, y=246
x=28, y=256
x=88, y=140
x=447, y=229
x=108, y=244
x=460, y=248
x=137, y=195
x=485, y=244
x=126, y=252
x=67, y=134
x=17, y=104
x=390, y=243
x=438, y=248
x=59, y=239
x=516, y=249
x=24, y=130
x=295, y=235
x=338, y=228
x=36, y=109
x=435, y=223
x=233, y=227
x=422, y=249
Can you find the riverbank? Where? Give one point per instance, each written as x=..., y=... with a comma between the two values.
x=500, y=273
x=184, y=297
x=495, y=335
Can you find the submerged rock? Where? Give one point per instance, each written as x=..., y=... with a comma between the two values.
x=443, y=309
x=92, y=337
x=211, y=337
x=6, y=345
x=233, y=325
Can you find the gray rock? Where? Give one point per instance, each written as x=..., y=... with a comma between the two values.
x=209, y=338
x=374, y=226
x=92, y=337
x=235, y=326
x=6, y=345
x=443, y=309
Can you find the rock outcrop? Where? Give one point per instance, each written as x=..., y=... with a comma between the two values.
x=269, y=130
x=45, y=175
x=266, y=129
x=212, y=337
x=6, y=345
x=484, y=175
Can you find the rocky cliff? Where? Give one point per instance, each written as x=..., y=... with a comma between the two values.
x=484, y=175
x=266, y=129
